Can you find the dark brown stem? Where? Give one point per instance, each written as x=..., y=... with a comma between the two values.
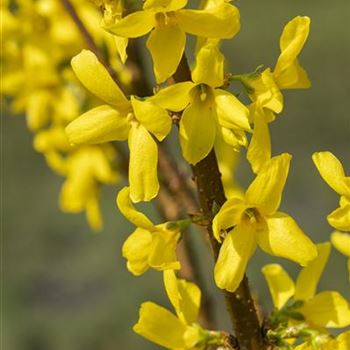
x=240, y=304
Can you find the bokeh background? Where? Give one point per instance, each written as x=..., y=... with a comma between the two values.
x=65, y=287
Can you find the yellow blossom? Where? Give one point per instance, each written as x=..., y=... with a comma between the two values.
x=168, y=22
x=244, y=223
x=264, y=88
x=341, y=241
x=332, y=172
x=209, y=113
x=149, y=246
x=85, y=169
x=325, y=309
x=121, y=119
x=179, y=331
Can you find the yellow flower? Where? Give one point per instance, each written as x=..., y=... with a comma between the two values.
x=85, y=169
x=149, y=245
x=121, y=119
x=209, y=112
x=341, y=241
x=332, y=172
x=168, y=22
x=325, y=309
x=254, y=220
x=112, y=14
x=179, y=331
x=265, y=88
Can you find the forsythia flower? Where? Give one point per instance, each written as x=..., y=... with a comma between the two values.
x=168, y=22
x=209, y=112
x=149, y=245
x=85, y=169
x=325, y=309
x=254, y=220
x=178, y=331
x=121, y=119
x=265, y=88
x=112, y=13
x=332, y=172
x=341, y=241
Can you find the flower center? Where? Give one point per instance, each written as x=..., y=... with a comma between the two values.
x=165, y=19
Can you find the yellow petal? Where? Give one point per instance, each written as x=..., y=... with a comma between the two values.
x=57, y=163
x=184, y=296
x=239, y=245
x=143, y=176
x=232, y=113
x=232, y=137
x=295, y=77
x=52, y=139
x=160, y=326
x=134, y=25
x=265, y=191
x=101, y=164
x=175, y=97
x=280, y=284
x=229, y=215
x=163, y=250
x=98, y=125
x=93, y=214
x=94, y=76
x=259, y=149
x=209, y=68
x=122, y=44
x=332, y=172
x=340, y=218
x=171, y=288
x=217, y=22
x=283, y=237
x=292, y=41
x=309, y=276
x=128, y=210
x=228, y=160
x=166, y=44
x=136, y=250
x=154, y=118
x=197, y=130
x=341, y=241
x=189, y=302
x=343, y=341
x=38, y=110
x=327, y=309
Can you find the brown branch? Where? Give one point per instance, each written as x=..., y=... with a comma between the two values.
x=240, y=304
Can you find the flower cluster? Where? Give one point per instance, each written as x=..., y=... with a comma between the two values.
x=77, y=132
x=39, y=40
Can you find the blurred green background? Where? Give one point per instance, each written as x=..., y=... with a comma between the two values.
x=67, y=288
